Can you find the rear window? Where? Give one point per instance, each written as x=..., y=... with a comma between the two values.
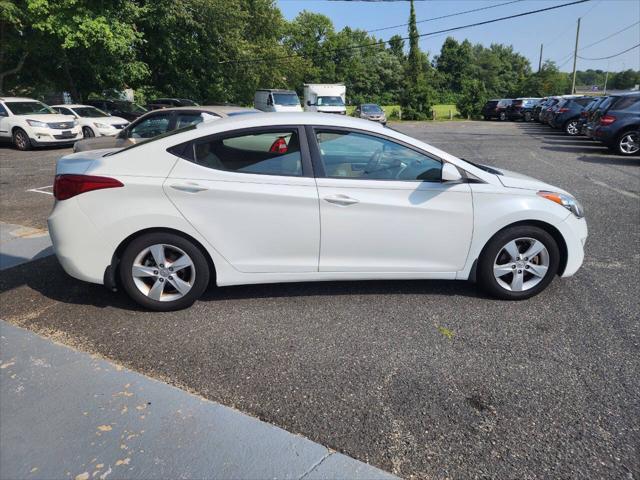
x=632, y=103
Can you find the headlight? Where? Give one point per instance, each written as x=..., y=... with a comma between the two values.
x=76, y=123
x=567, y=201
x=36, y=123
x=101, y=125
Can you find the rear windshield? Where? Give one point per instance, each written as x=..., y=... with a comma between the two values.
x=631, y=102
x=153, y=139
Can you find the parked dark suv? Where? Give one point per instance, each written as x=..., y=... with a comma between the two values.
x=567, y=115
x=118, y=108
x=522, y=109
x=586, y=114
x=489, y=110
x=618, y=125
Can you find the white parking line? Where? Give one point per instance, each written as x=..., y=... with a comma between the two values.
x=41, y=190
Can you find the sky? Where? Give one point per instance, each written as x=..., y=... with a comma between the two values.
x=556, y=29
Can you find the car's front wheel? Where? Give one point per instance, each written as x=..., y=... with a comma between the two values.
x=527, y=116
x=87, y=132
x=503, y=116
x=21, y=140
x=628, y=143
x=518, y=263
x=163, y=271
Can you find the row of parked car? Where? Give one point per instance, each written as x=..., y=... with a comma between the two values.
x=613, y=120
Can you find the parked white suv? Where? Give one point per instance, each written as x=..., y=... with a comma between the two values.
x=29, y=123
x=93, y=121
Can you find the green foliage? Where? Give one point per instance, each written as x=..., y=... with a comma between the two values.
x=223, y=50
x=472, y=98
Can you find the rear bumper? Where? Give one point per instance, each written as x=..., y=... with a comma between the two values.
x=79, y=248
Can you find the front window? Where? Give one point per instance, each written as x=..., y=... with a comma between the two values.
x=330, y=102
x=366, y=157
x=286, y=99
x=371, y=109
x=30, y=107
x=266, y=153
x=90, y=112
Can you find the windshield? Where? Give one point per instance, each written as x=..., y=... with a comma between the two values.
x=130, y=107
x=90, y=112
x=371, y=109
x=31, y=107
x=330, y=101
x=286, y=99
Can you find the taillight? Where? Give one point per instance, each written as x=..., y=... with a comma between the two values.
x=584, y=114
x=279, y=146
x=563, y=110
x=607, y=120
x=68, y=185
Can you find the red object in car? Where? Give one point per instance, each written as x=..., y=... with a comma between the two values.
x=607, y=120
x=279, y=146
x=562, y=110
x=68, y=186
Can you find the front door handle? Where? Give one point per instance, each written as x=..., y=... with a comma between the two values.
x=340, y=199
x=189, y=187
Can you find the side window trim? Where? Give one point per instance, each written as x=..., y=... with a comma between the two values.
x=185, y=150
x=318, y=165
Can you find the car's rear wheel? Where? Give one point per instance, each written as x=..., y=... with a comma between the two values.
x=21, y=140
x=87, y=132
x=518, y=263
x=163, y=271
x=527, y=116
x=503, y=116
x=572, y=128
x=628, y=143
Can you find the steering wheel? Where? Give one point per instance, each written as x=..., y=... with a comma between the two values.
x=374, y=162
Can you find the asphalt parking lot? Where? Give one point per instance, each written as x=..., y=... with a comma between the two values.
x=424, y=379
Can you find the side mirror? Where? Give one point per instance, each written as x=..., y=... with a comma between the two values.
x=450, y=173
x=308, y=103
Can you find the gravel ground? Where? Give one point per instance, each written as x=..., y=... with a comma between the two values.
x=425, y=379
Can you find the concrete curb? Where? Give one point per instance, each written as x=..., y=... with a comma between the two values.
x=65, y=414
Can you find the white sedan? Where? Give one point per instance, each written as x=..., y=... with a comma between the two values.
x=94, y=122
x=303, y=197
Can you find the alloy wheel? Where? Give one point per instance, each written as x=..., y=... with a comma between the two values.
x=21, y=140
x=163, y=272
x=630, y=143
x=521, y=264
x=572, y=128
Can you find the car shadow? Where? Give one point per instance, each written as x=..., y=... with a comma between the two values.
x=47, y=277
x=611, y=160
x=580, y=149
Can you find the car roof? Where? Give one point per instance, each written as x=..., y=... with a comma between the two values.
x=276, y=90
x=73, y=105
x=20, y=99
x=220, y=110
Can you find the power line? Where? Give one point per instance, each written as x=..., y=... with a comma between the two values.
x=611, y=56
x=445, y=16
x=383, y=42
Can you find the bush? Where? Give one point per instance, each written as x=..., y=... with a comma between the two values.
x=472, y=98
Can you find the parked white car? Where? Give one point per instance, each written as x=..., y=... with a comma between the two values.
x=94, y=122
x=29, y=123
x=303, y=197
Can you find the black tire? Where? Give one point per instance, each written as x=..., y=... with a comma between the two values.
x=200, y=266
x=487, y=117
x=21, y=140
x=527, y=116
x=629, y=135
x=572, y=127
x=502, y=117
x=87, y=132
x=485, y=276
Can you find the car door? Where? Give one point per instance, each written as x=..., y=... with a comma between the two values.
x=384, y=208
x=252, y=195
x=4, y=122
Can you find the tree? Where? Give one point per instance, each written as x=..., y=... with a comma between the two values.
x=414, y=66
x=472, y=98
x=396, y=46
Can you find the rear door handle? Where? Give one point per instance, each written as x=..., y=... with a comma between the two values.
x=189, y=187
x=340, y=199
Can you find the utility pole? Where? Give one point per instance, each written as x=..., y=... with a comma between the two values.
x=606, y=78
x=540, y=62
x=575, y=58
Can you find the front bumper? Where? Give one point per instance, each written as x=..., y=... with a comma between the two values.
x=50, y=136
x=575, y=234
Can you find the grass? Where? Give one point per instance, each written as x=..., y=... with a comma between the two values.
x=442, y=110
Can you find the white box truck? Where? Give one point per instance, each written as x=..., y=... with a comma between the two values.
x=272, y=100
x=325, y=97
